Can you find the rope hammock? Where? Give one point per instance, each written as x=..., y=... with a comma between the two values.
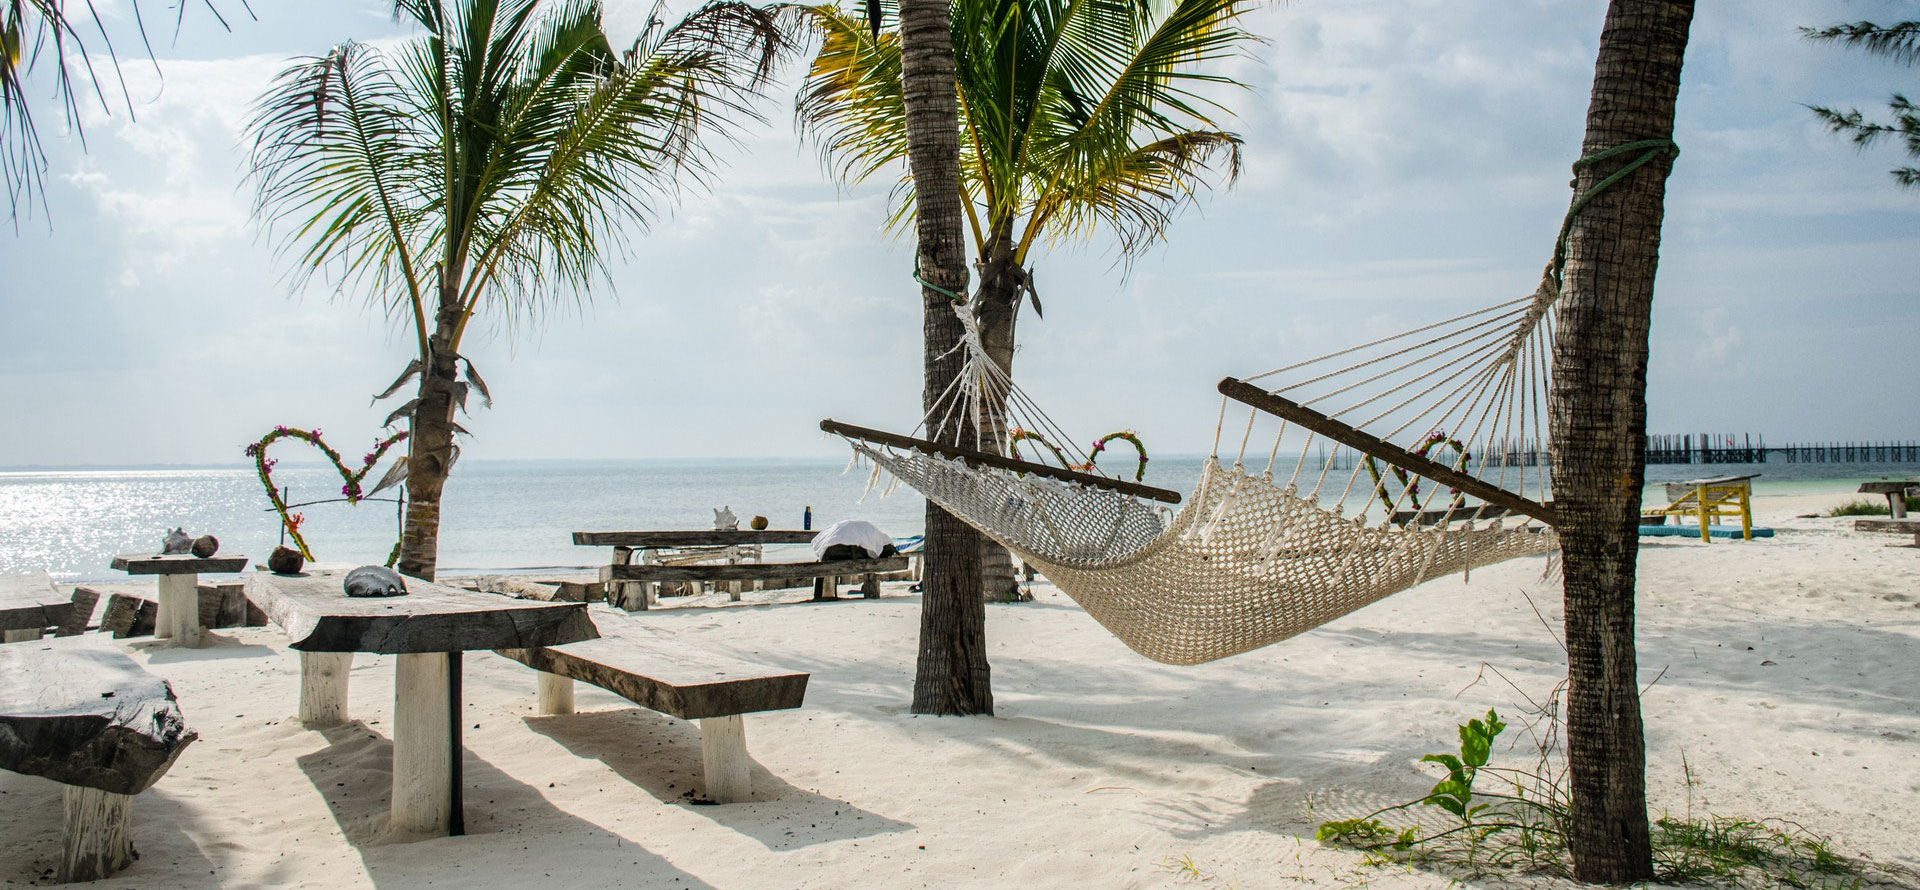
x=1354, y=476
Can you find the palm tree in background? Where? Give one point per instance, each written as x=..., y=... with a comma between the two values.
x=1077, y=117
x=486, y=168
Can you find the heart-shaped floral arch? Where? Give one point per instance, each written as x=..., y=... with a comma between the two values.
x=350, y=488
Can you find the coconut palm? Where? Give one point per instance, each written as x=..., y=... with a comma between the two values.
x=486, y=168
x=42, y=34
x=951, y=675
x=1599, y=424
x=1078, y=117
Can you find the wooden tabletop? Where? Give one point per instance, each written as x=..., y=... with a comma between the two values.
x=1899, y=487
x=700, y=538
x=177, y=564
x=78, y=711
x=319, y=617
x=30, y=601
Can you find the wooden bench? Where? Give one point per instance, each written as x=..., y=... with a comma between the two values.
x=658, y=673
x=1898, y=526
x=80, y=712
x=1705, y=500
x=30, y=603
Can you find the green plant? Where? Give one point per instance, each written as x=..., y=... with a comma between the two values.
x=1520, y=828
x=1860, y=507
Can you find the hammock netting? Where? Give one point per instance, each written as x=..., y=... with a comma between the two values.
x=1290, y=533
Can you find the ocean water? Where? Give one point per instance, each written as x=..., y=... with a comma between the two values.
x=512, y=515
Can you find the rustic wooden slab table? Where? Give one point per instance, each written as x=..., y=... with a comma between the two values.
x=427, y=629
x=178, y=615
x=636, y=595
x=29, y=604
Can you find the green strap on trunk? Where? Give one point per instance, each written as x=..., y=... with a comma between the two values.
x=1649, y=149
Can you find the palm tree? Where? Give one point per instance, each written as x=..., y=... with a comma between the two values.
x=951, y=675
x=1076, y=116
x=1899, y=43
x=33, y=30
x=486, y=167
x=1599, y=422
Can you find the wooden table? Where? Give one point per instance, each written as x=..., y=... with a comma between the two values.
x=29, y=604
x=178, y=616
x=1896, y=493
x=427, y=629
x=634, y=595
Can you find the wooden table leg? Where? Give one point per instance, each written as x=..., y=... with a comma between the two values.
x=97, y=839
x=556, y=694
x=178, y=615
x=323, y=688
x=422, y=740
x=723, y=756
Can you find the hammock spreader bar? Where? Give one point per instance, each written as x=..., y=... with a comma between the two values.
x=881, y=437
x=1294, y=412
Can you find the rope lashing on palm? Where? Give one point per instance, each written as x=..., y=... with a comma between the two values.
x=1649, y=149
x=956, y=299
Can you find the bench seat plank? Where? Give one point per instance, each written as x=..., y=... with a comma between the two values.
x=767, y=571
x=30, y=601
x=80, y=712
x=672, y=679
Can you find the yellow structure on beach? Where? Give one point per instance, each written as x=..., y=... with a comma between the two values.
x=1707, y=500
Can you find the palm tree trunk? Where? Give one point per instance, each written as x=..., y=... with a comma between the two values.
x=996, y=303
x=430, y=449
x=952, y=676
x=1599, y=418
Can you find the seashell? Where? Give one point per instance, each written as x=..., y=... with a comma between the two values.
x=176, y=541
x=724, y=520
x=374, y=581
x=285, y=561
x=759, y=523
x=206, y=546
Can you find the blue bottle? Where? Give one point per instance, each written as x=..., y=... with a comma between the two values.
x=806, y=519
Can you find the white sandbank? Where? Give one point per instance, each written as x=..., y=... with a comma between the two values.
x=1788, y=677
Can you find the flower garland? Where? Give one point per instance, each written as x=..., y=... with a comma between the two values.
x=263, y=465
x=1409, y=483
x=1100, y=444
x=1018, y=435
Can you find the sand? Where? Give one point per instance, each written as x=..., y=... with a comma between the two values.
x=1784, y=671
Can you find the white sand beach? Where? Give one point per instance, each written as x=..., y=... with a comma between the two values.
x=1785, y=672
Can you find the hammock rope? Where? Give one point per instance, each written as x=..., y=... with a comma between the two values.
x=1247, y=561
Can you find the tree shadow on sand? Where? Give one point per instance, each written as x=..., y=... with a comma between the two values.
x=660, y=756
x=511, y=827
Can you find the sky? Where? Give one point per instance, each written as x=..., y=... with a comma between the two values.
x=1405, y=161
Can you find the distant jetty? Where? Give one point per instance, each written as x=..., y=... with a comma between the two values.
x=1694, y=448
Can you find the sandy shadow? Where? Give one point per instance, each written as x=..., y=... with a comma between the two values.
x=354, y=776
x=660, y=756
x=217, y=648
x=30, y=817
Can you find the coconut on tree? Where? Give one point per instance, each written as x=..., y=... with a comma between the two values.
x=487, y=168
x=1078, y=119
